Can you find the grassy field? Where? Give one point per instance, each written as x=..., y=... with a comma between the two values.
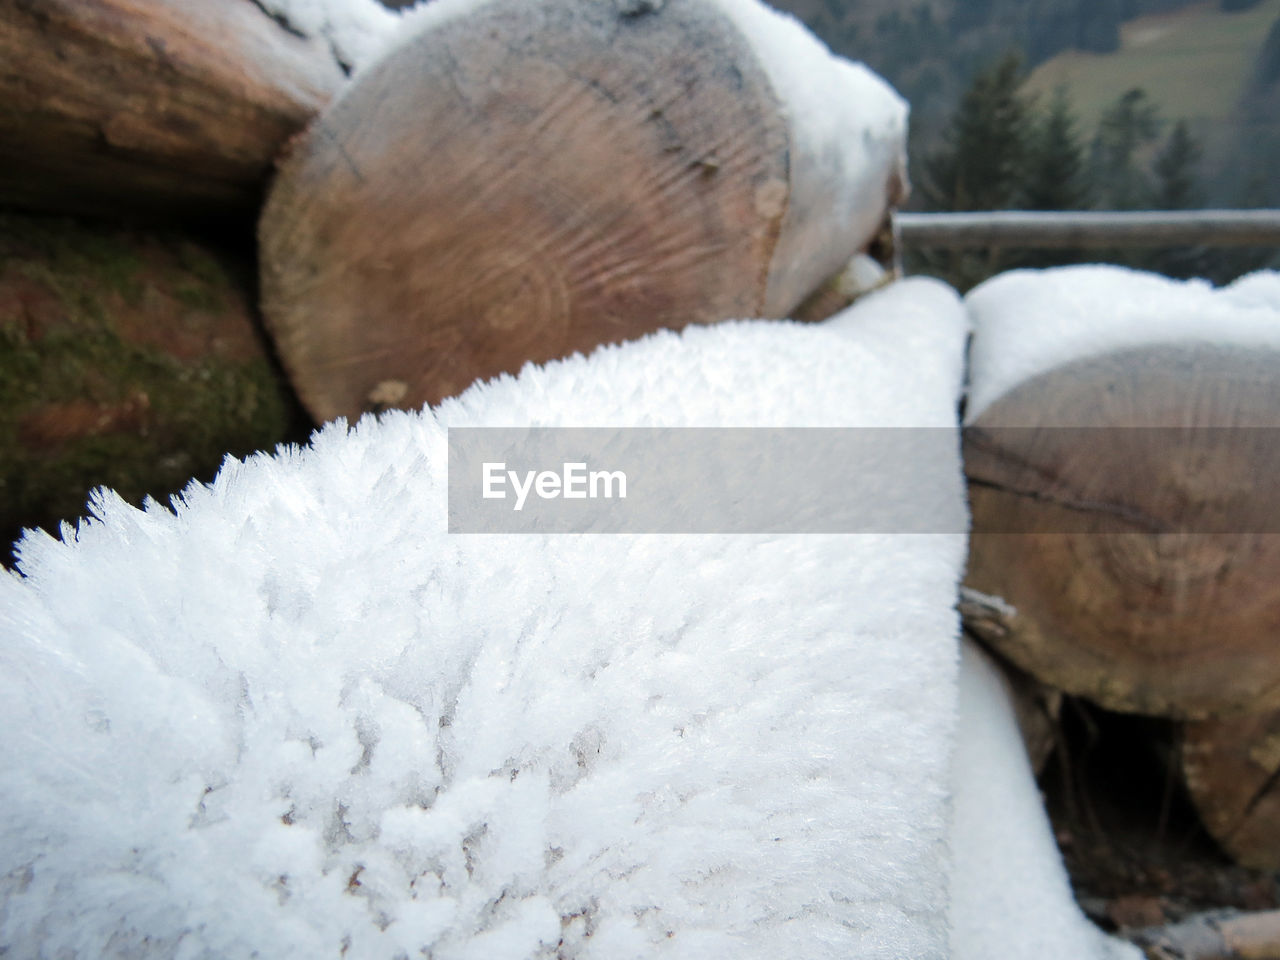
x=1193, y=63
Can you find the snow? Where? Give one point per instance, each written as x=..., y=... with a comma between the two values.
x=1010, y=897
x=295, y=716
x=848, y=131
x=357, y=31
x=1027, y=322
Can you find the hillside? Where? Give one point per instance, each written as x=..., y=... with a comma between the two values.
x=930, y=49
x=1194, y=63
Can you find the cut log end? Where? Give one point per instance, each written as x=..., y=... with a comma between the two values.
x=1231, y=767
x=520, y=183
x=539, y=201
x=1141, y=562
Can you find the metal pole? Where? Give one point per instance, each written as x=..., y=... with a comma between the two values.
x=1072, y=228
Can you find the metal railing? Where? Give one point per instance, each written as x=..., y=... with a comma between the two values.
x=1075, y=228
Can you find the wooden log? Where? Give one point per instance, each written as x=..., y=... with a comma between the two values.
x=1231, y=767
x=1140, y=565
x=1036, y=707
x=1220, y=935
x=150, y=107
x=530, y=178
x=127, y=358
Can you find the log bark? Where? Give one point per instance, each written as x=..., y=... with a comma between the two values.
x=127, y=358
x=1231, y=767
x=1140, y=564
x=150, y=108
x=531, y=179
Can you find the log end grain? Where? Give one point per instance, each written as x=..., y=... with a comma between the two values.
x=517, y=185
x=1125, y=506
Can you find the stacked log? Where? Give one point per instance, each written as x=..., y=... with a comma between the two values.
x=531, y=180
x=131, y=108
x=128, y=358
x=1121, y=514
x=1124, y=511
x=1231, y=767
x=520, y=181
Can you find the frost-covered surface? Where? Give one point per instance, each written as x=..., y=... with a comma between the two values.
x=299, y=718
x=1010, y=898
x=848, y=131
x=1027, y=322
x=358, y=31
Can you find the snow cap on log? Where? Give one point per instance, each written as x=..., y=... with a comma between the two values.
x=847, y=151
x=516, y=180
x=1026, y=322
x=1120, y=452
x=357, y=31
x=295, y=717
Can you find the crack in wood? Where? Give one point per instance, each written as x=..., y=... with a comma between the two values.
x=1100, y=507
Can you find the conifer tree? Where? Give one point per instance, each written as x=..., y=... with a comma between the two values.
x=1129, y=124
x=1057, y=174
x=1178, y=188
x=981, y=165
x=1177, y=176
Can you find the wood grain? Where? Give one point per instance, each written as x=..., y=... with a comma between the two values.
x=529, y=180
x=1125, y=508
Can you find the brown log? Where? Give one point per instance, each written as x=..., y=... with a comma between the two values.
x=537, y=177
x=1036, y=707
x=1141, y=564
x=1222, y=935
x=131, y=359
x=150, y=107
x=1231, y=767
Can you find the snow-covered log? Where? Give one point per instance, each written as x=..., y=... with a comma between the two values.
x=522, y=179
x=296, y=716
x=1120, y=448
x=161, y=107
x=1231, y=767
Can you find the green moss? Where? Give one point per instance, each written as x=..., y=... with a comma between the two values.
x=201, y=265
x=197, y=296
x=186, y=415
x=70, y=249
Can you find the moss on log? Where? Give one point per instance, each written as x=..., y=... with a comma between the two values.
x=126, y=359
